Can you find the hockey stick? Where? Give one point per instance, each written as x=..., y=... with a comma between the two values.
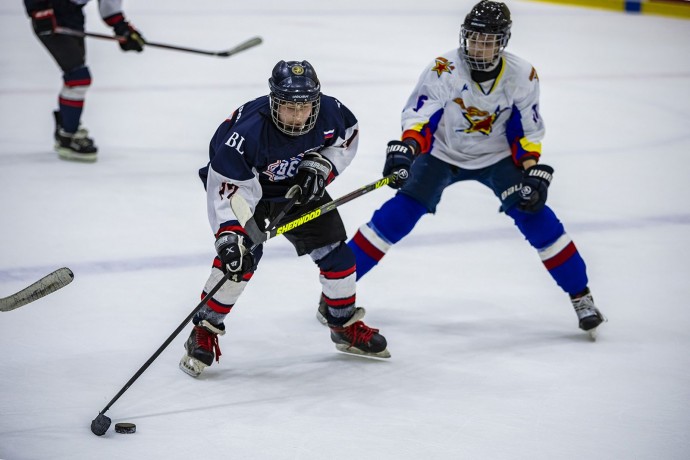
x=328, y=207
x=234, y=50
x=41, y=288
x=101, y=423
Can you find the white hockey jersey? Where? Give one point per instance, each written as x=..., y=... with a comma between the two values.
x=474, y=125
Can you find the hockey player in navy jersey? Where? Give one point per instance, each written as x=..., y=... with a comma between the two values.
x=72, y=141
x=293, y=141
x=474, y=115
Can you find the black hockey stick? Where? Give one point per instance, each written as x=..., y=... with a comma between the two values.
x=234, y=50
x=41, y=288
x=101, y=423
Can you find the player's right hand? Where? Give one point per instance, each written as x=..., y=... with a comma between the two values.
x=234, y=254
x=43, y=21
x=133, y=40
x=399, y=158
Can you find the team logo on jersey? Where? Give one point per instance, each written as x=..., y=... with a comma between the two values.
x=284, y=169
x=442, y=65
x=480, y=120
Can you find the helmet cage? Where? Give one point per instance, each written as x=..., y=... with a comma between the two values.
x=475, y=45
x=290, y=129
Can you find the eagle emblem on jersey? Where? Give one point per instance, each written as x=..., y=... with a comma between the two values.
x=480, y=120
x=442, y=65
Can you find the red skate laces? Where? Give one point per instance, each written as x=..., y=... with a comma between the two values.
x=208, y=341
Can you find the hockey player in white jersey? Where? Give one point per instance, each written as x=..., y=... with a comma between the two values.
x=474, y=115
x=72, y=141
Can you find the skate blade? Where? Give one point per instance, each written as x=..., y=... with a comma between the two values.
x=322, y=319
x=350, y=350
x=191, y=366
x=592, y=333
x=69, y=155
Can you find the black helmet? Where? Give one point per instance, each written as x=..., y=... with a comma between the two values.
x=294, y=82
x=487, y=26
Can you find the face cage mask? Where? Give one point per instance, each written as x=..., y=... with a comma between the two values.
x=480, y=41
x=291, y=130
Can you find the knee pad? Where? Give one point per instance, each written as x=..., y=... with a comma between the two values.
x=76, y=83
x=540, y=229
x=397, y=217
x=335, y=257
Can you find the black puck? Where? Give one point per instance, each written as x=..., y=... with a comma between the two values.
x=125, y=428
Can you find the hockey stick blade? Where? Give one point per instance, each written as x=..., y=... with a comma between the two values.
x=252, y=42
x=41, y=288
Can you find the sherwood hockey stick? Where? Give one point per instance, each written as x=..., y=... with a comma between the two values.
x=41, y=288
x=244, y=215
x=101, y=423
x=227, y=53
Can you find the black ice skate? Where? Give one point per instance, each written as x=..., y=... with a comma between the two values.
x=73, y=146
x=357, y=338
x=589, y=316
x=202, y=346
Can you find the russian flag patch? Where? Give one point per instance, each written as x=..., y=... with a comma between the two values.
x=328, y=134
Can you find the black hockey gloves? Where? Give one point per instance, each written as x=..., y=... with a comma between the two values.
x=312, y=177
x=399, y=158
x=535, y=184
x=43, y=21
x=234, y=254
x=133, y=41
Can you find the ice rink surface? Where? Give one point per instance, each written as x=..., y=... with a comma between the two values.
x=487, y=360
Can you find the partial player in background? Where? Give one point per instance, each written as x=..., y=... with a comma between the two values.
x=294, y=141
x=474, y=115
x=72, y=141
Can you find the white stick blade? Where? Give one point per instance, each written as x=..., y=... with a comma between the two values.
x=41, y=288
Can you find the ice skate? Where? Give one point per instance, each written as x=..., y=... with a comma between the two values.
x=357, y=338
x=74, y=146
x=201, y=348
x=589, y=316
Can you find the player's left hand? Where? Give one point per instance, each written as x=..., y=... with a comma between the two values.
x=535, y=185
x=133, y=40
x=399, y=158
x=312, y=177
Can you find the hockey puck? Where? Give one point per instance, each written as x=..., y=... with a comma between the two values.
x=125, y=428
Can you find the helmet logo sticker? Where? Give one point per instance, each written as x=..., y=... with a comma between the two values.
x=297, y=69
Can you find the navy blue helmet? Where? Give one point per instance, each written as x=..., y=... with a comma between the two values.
x=294, y=87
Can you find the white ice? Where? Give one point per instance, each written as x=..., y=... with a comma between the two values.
x=487, y=360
